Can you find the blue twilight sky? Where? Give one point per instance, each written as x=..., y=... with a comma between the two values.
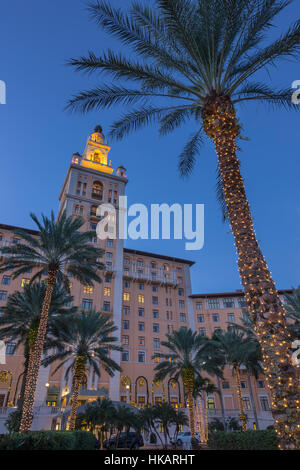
x=38, y=138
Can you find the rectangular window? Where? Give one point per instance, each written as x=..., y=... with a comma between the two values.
x=242, y=303
x=154, y=300
x=260, y=384
x=141, y=326
x=125, y=324
x=107, y=291
x=25, y=282
x=10, y=348
x=202, y=331
x=225, y=384
x=125, y=356
x=141, y=356
x=155, y=313
x=141, y=286
x=180, y=291
x=141, y=312
x=211, y=403
x=108, y=255
x=213, y=303
x=198, y=305
x=126, y=310
x=5, y=280
x=156, y=343
x=126, y=284
x=126, y=261
x=88, y=289
x=108, y=278
x=243, y=384
x=200, y=318
x=141, y=299
x=228, y=303
x=106, y=306
x=169, y=315
x=141, y=340
x=87, y=304
x=125, y=340
x=215, y=317
x=93, y=226
x=181, y=303
x=247, y=404
x=141, y=400
x=264, y=403
x=109, y=242
x=170, y=329
x=154, y=288
x=230, y=317
x=183, y=317
x=126, y=296
x=155, y=328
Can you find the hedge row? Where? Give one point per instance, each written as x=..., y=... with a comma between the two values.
x=48, y=440
x=248, y=440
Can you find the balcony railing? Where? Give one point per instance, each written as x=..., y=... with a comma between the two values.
x=145, y=273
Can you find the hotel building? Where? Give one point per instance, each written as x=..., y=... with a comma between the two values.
x=147, y=295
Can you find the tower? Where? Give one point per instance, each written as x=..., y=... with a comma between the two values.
x=90, y=181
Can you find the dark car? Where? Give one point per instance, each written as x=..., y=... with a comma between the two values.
x=126, y=440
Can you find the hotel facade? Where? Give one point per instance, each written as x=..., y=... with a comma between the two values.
x=147, y=295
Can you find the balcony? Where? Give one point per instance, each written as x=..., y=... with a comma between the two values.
x=145, y=273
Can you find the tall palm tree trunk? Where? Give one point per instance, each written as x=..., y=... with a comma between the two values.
x=242, y=417
x=31, y=339
x=35, y=357
x=222, y=404
x=188, y=382
x=253, y=402
x=78, y=375
x=266, y=310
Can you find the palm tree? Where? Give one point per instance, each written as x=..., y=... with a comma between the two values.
x=183, y=359
x=84, y=341
x=202, y=387
x=199, y=60
x=21, y=316
x=233, y=348
x=60, y=250
x=96, y=414
x=165, y=415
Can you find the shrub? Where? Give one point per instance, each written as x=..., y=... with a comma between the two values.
x=13, y=421
x=248, y=440
x=48, y=440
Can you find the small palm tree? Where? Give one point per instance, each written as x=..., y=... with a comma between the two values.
x=232, y=347
x=165, y=416
x=85, y=341
x=203, y=387
x=195, y=62
x=96, y=414
x=21, y=317
x=183, y=359
x=60, y=250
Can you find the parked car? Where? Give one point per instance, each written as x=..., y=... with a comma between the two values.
x=126, y=440
x=185, y=438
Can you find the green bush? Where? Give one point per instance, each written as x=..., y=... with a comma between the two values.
x=248, y=440
x=48, y=440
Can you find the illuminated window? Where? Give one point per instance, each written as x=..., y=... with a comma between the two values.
x=107, y=291
x=141, y=299
x=126, y=296
x=141, y=402
x=88, y=289
x=156, y=358
x=166, y=267
x=125, y=340
x=97, y=190
x=158, y=400
x=25, y=282
x=211, y=403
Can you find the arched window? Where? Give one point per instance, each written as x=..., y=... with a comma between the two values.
x=97, y=191
x=96, y=157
